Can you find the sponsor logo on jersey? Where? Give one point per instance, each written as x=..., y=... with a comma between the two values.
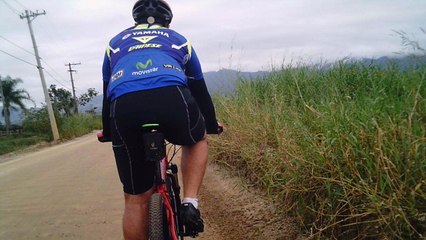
x=172, y=67
x=144, y=46
x=145, y=39
x=141, y=66
x=151, y=32
x=144, y=72
x=118, y=75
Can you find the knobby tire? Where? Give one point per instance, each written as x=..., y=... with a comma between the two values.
x=158, y=227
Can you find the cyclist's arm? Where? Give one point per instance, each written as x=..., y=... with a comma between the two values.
x=199, y=91
x=106, y=73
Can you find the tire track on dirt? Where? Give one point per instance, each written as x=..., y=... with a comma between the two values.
x=236, y=213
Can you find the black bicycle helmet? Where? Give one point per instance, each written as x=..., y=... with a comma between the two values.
x=150, y=11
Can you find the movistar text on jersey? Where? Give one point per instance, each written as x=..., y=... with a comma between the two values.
x=144, y=72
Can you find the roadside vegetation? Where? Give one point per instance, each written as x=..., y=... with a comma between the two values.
x=36, y=129
x=36, y=125
x=342, y=148
x=11, y=143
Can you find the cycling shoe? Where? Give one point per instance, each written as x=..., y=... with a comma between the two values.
x=191, y=219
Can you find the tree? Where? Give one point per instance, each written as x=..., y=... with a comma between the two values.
x=62, y=100
x=86, y=97
x=13, y=99
x=37, y=122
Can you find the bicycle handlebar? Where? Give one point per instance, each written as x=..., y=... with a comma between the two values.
x=219, y=129
x=103, y=139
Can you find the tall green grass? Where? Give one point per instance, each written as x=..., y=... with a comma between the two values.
x=78, y=125
x=16, y=142
x=36, y=129
x=37, y=123
x=343, y=149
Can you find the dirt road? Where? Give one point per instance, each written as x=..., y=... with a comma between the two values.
x=72, y=191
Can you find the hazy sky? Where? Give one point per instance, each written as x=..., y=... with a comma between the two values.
x=246, y=35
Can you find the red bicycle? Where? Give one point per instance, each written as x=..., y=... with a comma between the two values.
x=164, y=207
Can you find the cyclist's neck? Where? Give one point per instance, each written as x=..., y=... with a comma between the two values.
x=149, y=26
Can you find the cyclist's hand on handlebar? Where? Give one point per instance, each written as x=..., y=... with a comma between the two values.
x=219, y=128
x=103, y=138
x=216, y=128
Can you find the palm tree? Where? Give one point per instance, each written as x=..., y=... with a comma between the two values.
x=12, y=98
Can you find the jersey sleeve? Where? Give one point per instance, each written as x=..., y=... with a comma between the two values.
x=106, y=69
x=106, y=76
x=193, y=67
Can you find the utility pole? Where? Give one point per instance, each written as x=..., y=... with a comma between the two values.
x=5, y=112
x=30, y=16
x=1, y=90
x=72, y=83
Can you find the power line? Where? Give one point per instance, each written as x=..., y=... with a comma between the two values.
x=16, y=45
x=36, y=66
x=59, y=75
x=18, y=58
x=51, y=68
x=20, y=4
x=41, y=60
x=11, y=8
x=51, y=36
x=48, y=73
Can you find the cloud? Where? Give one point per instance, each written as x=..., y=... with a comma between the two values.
x=249, y=36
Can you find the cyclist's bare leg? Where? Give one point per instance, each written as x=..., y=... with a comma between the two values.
x=135, y=219
x=193, y=165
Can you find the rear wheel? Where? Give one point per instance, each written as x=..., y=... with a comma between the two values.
x=158, y=227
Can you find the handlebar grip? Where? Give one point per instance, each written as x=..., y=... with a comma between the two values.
x=219, y=129
x=101, y=137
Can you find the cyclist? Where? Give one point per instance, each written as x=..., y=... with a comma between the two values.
x=151, y=74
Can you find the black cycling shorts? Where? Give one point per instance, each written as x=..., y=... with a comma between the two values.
x=180, y=120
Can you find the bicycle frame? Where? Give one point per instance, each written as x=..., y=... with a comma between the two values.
x=162, y=189
x=155, y=150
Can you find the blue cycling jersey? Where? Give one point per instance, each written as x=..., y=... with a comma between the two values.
x=146, y=57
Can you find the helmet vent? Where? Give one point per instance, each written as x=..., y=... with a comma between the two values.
x=150, y=20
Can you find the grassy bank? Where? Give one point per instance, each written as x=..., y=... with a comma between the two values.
x=79, y=125
x=36, y=129
x=16, y=142
x=343, y=149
